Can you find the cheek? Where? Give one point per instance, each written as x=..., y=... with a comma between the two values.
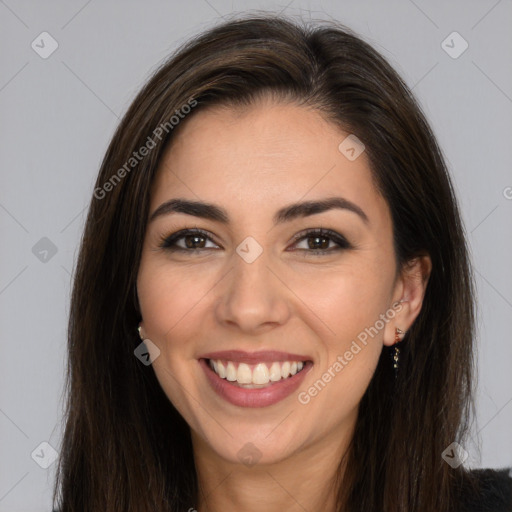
x=167, y=298
x=351, y=304
x=349, y=357
x=346, y=301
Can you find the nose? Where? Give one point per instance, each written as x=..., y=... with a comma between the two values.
x=252, y=298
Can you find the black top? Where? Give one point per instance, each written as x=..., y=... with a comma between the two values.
x=487, y=490
x=491, y=492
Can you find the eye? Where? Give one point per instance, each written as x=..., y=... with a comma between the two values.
x=187, y=240
x=319, y=241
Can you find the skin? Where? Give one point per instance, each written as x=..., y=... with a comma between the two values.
x=251, y=162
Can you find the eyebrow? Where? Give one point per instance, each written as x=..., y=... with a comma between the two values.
x=285, y=214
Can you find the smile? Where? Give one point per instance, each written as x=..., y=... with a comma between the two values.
x=251, y=376
x=254, y=379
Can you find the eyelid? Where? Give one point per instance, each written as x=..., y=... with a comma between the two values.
x=181, y=233
x=312, y=231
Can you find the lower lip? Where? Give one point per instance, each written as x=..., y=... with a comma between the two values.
x=256, y=397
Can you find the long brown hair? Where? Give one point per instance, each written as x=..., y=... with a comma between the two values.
x=125, y=447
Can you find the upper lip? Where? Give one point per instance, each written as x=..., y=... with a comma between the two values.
x=240, y=356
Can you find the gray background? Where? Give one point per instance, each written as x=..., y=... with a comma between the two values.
x=58, y=114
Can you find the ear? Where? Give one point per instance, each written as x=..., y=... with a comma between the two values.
x=408, y=295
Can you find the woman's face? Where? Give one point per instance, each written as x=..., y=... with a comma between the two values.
x=257, y=293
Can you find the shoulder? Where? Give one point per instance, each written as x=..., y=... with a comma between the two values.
x=487, y=490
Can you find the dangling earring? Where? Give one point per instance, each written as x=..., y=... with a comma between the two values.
x=396, y=355
x=140, y=332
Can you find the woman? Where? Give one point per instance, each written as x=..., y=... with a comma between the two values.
x=274, y=219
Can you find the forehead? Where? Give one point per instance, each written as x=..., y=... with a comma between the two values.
x=268, y=153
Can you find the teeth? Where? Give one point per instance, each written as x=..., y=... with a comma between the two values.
x=221, y=370
x=259, y=374
x=244, y=374
x=230, y=372
x=285, y=369
x=275, y=372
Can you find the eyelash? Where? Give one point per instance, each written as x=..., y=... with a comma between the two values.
x=169, y=242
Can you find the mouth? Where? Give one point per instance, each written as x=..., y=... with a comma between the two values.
x=254, y=376
x=254, y=380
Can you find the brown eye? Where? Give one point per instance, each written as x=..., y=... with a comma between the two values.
x=187, y=240
x=320, y=241
x=194, y=241
x=316, y=241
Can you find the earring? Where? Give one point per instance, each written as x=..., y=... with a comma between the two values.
x=139, y=329
x=396, y=355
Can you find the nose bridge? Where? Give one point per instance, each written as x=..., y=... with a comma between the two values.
x=252, y=296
